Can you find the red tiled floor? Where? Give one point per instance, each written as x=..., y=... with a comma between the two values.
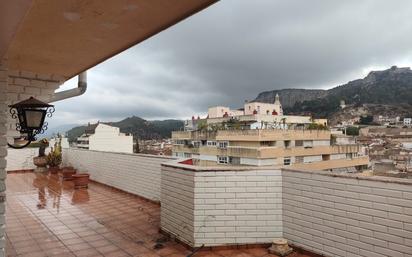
x=47, y=217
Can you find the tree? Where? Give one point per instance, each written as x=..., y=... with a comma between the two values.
x=352, y=131
x=314, y=126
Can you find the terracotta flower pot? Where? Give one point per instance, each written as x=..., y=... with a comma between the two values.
x=81, y=180
x=54, y=170
x=40, y=162
x=80, y=196
x=68, y=172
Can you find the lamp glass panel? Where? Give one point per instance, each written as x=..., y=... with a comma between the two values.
x=34, y=118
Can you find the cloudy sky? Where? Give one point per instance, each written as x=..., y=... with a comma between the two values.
x=237, y=48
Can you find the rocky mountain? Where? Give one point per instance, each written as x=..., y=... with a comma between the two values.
x=140, y=128
x=386, y=88
x=290, y=96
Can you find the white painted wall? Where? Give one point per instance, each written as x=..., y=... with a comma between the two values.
x=108, y=138
x=134, y=173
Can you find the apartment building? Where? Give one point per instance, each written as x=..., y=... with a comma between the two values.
x=265, y=138
x=103, y=137
x=306, y=149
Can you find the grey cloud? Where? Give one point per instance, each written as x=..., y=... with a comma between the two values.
x=238, y=48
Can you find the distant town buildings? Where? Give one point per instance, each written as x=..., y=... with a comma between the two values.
x=260, y=134
x=389, y=149
x=156, y=147
x=103, y=137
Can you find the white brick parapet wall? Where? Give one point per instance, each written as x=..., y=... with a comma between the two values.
x=330, y=214
x=218, y=206
x=348, y=215
x=333, y=215
x=134, y=173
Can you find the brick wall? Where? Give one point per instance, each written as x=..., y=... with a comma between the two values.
x=215, y=207
x=3, y=150
x=346, y=216
x=22, y=85
x=177, y=208
x=135, y=173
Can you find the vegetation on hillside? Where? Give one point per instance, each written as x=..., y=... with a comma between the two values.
x=138, y=127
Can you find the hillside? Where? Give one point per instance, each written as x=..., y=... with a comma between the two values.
x=290, y=96
x=391, y=87
x=140, y=128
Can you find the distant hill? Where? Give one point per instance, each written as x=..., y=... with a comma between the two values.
x=140, y=128
x=391, y=87
x=52, y=131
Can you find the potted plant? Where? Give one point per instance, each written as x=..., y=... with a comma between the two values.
x=41, y=160
x=54, y=158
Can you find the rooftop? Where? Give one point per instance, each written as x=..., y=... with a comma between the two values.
x=47, y=217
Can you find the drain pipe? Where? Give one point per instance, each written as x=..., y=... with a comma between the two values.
x=79, y=90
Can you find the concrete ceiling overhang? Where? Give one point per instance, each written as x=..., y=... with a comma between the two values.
x=66, y=37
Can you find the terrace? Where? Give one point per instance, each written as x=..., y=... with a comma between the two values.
x=226, y=211
x=232, y=211
x=47, y=217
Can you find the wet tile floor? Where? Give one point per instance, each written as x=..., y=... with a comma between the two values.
x=47, y=217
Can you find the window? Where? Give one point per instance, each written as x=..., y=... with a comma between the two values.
x=196, y=144
x=325, y=157
x=286, y=161
x=211, y=143
x=223, y=144
x=299, y=143
x=308, y=143
x=222, y=159
x=349, y=156
x=234, y=160
x=287, y=143
x=268, y=143
x=187, y=155
x=179, y=142
x=299, y=159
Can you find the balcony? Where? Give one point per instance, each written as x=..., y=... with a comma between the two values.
x=270, y=152
x=272, y=135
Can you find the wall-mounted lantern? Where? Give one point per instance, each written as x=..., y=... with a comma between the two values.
x=30, y=114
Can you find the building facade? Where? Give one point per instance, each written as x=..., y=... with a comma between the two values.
x=103, y=137
x=265, y=137
x=306, y=149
